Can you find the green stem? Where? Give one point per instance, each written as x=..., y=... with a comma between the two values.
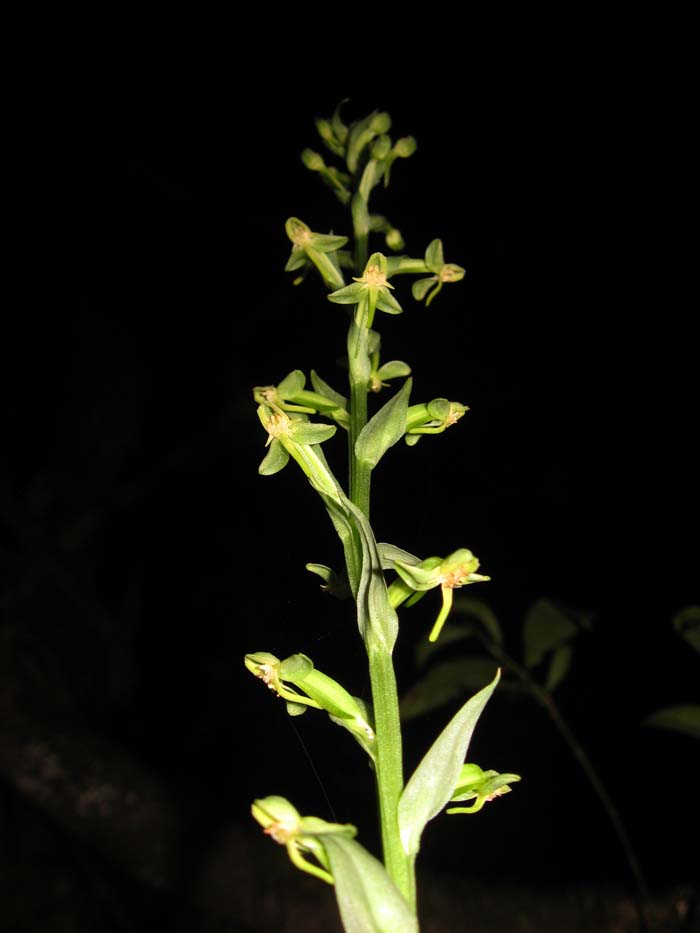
x=360, y=225
x=389, y=770
x=359, y=472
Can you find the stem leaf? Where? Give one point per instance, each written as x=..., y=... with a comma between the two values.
x=368, y=900
x=385, y=428
x=433, y=782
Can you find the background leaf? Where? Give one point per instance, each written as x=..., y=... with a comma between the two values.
x=685, y=719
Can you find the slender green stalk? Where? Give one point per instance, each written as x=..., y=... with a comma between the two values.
x=359, y=472
x=389, y=771
x=360, y=225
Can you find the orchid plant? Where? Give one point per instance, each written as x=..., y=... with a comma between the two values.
x=373, y=892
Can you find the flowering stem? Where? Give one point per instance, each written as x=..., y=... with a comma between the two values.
x=389, y=769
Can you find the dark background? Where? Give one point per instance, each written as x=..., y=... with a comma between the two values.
x=144, y=555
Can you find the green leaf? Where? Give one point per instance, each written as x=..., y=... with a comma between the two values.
x=545, y=628
x=385, y=428
x=435, y=778
x=275, y=460
x=444, y=682
x=683, y=718
x=368, y=900
x=558, y=666
x=687, y=624
x=467, y=605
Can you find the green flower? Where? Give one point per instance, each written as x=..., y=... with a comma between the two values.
x=443, y=272
x=370, y=291
x=288, y=678
x=315, y=248
x=479, y=786
x=449, y=573
x=432, y=418
x=291, y=396
x=300, y=835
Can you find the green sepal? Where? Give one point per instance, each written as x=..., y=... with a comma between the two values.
x=324, y=389
x=327, y=242
x=387, y=303
x=348, y=295
x=423, y=576
x=394, y=369
x=389, y=553
x=434, y=256
x=431, y=786
x=384, y=429
x=307, y=432
x=275, y=460
x=421, y=287
x=297, y=260
x=291, y=384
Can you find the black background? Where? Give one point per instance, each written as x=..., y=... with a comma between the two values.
x=155, y=299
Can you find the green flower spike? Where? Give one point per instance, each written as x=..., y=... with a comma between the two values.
x=449, y=573
x=443, y=272
x=316, y=248
x=300, y=835
x=370, y=292
x=480, y=786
